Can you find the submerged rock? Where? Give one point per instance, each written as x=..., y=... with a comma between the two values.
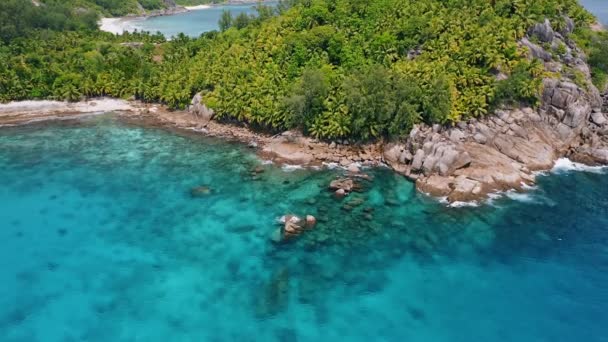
x=311, y=221
x=340, y=193
x=200, y=191
x=345, y=184
x=292, y=226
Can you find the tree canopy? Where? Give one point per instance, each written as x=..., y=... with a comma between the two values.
x=333, y=68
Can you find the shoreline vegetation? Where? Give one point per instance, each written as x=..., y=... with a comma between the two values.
x=462, y=107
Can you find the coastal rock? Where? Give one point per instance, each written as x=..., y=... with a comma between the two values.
x=441, y=157
x=598, y=119
x=577, y=113
x=353, y=168
x=199, y=109
x=292, y=226
x=311, y=221
x=345, y=184
x=480, y=138
x=418, y=160
x=289, y=152
x=436, y=186
x=501, y=151
x=465, y=189
x=542, y=31
x=535, y=50
x=340, y=193
x=591, y=156
x=396, y=153
x=568, y=27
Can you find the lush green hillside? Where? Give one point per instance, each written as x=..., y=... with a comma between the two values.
x=333, y=68
x=18, y=18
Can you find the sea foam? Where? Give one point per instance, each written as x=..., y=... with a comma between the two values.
x=563, y=165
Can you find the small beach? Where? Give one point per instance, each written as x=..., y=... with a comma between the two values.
x=194, y=21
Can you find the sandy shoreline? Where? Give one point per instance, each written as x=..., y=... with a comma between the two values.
x=196, y=8
x=115, y=25
x=126, y=24
x=24, y=112
x=288, y=148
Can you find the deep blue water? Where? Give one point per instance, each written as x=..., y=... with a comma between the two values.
x=100, y=240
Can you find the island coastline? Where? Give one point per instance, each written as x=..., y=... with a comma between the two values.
x=118, y=25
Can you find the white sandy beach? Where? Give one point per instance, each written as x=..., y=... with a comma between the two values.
x=127, y=24
x=21, y=112
x=196, y=8
x=45, y=106
x=115, y=25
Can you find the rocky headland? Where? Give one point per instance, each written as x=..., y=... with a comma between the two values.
x=502, y=151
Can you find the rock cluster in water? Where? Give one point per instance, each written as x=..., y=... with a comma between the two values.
x=293, y=226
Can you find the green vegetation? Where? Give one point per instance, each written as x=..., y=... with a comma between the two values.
x=18, y=18
x=332, y=68
x=595, y=44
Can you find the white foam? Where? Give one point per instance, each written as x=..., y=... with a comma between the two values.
x=45, y=106
x=564, y=165
x=120, y=25
x=524, y=197
x=528, y=187
x=331, y=166
x=291, y=168
x=267, y=162
x=459, y=204
x=113, y=25
x=199, y=130
x=442, y=200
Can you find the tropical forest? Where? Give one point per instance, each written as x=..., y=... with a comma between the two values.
x=331, y=68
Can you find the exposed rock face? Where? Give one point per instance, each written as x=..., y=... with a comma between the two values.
x=199, y=109
x=501, y=151
x=543, y=31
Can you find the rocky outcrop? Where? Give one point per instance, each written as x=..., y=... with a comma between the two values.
x=345, y=184
x=502, y=151
x=199, y=109
x=293, y=226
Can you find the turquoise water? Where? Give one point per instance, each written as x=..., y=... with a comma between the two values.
x=192, y=23
x=100, y=240
x=599, y=8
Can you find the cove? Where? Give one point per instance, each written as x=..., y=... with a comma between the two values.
x=102, y=241
x=192, y=23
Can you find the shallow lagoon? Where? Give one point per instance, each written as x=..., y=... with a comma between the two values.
x=100, y=240
x=192, y=23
